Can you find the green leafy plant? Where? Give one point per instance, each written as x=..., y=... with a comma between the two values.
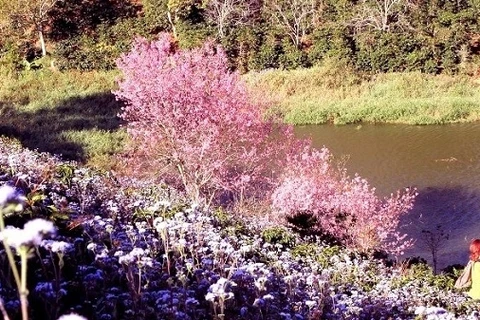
x=278, y=235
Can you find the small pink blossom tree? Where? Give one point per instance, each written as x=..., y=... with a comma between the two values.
x=345, y=208
x=188, y=114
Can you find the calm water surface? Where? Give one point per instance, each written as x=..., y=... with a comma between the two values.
x=442, y=162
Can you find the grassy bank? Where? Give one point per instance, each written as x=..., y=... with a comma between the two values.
x=73, y=114
x=334, y=94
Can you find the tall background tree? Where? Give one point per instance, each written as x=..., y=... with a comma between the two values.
x=371, y=35
x=296, y=17
x=382, y=15
x=27, y=16
x=226, y=14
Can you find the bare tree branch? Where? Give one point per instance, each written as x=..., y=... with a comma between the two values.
x=227, y=13
x=382, y=15
x=297, y=17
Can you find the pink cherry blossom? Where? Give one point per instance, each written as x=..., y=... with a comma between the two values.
x=193, y=120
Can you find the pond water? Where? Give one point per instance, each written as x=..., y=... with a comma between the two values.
x=442, y=162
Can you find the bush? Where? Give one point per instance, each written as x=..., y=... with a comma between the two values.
x=278, y=235
x=241, y=47
x=346, y=208
x=397, y=52
x=383, y=52
x=85, y=53
x=292, y=57
x=14, y=55
x=98, y=51
x=330, y=42
x=266, y=57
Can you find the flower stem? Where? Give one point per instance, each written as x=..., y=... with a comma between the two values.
x=23, y=288
x=139, y=281
x=9, y=252
x=4, y=312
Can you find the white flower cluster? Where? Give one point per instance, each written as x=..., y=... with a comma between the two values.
x=10, y=195
x=432, y=313
x=220, y=290
x=56, y=246
x=31, y=235
x=72, y=316
x=138, y=255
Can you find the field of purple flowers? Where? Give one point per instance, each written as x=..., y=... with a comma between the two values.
x=92, y=245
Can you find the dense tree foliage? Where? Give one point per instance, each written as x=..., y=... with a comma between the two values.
x=372, y=35
x=193, y=120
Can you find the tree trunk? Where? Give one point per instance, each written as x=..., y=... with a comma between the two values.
x=42, y=43
x=174, y=29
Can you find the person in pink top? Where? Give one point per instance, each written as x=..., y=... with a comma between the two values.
x=474, y=291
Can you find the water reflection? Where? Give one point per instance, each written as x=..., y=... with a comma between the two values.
x=442, y=162
x=453, y=210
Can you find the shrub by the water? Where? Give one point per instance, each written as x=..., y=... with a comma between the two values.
x=344, y=208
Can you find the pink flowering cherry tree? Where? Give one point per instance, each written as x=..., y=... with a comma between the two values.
x=190, y=117
x=345, y=208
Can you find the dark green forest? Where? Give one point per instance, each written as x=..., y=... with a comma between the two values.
x=432, y=36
